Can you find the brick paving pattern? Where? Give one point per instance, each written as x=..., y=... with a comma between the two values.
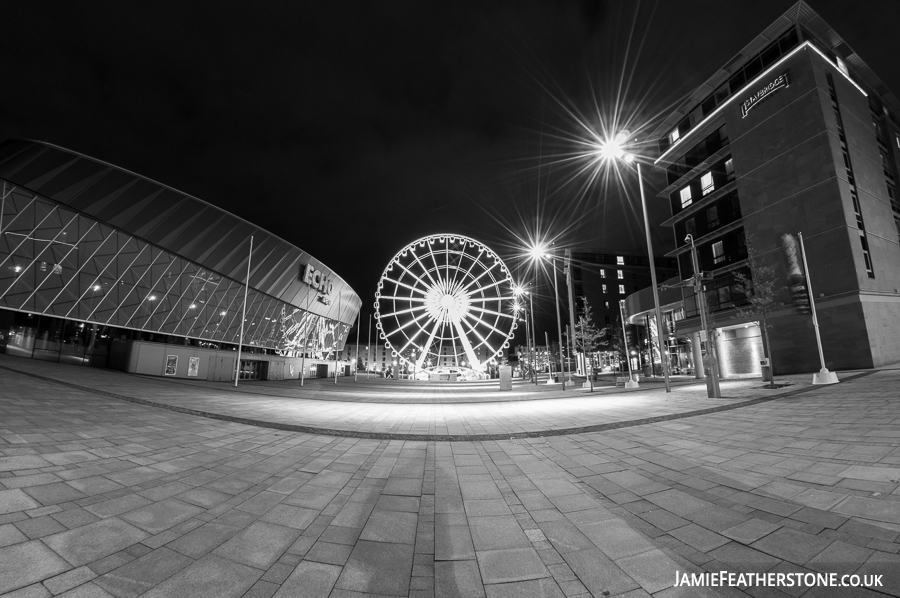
x=105, y=497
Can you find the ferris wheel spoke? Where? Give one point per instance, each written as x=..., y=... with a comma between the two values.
x=417, y=277
x=394, y=298
x=410, y=323
x=412, y=252
x=403, y=284
x=484, y=299
x=475, y=261
x=483, y=323
x=492, y=312
x=403, y=311
x=481, y=338
x=487, y=270
x=427, y=346
x=467, y=346
x=492, y=285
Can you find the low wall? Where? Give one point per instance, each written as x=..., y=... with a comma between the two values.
x=179, y=361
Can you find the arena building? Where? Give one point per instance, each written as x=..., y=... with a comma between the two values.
x=103, y=267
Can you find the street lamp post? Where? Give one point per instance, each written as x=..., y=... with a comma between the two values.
x=713, y=388
x=533, y=339
x=558, y=325
x=611, y=150
x=823, y=376
x=632, y=383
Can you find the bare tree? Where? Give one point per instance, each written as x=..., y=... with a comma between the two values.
x=587, y=336
x=761, y=289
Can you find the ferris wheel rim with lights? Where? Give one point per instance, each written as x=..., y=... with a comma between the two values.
x=445, y=300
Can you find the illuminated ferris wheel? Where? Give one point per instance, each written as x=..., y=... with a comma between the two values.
x=445, y=300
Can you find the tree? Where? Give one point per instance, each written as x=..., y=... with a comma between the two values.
x=359, y=363
x=761, y=289
x=587, y=336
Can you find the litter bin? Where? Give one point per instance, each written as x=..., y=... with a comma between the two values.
x=766, y=367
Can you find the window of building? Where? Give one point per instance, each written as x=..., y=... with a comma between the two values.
x=897, y=139
x=706, y=183
x=866, y=257
x=729, y=168
x=690, y=227
x=604, y=288
x=712, y=217
x=602, y=273
x=606, y=318
x=718, y=252
x=606, y=303
x=686, y=197
x=620, y=260
x=620, y=275
x=675, y=135
x=621, y=289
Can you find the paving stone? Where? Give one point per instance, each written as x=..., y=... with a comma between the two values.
x=210, y=577
x=88, y=543
x=161, y=515
x=353, y=514
x=390, y=526
x=378, y=568
x=142, y=574
x=510, y=564
x=309, y=580
x=750, y=531
x=598, y=572
x=698, y=537
x=26, y=563
x=791, y=545
x=501, y=531
x=453, y=542
x=117, y=506
x=329, y=553
x=652, y=569
x=457, y=579
x=40, y=527
x=16, y=500
x=259, y=545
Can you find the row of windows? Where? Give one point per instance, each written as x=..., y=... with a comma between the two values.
x=718, y=176
x=621, y=291
x=887, y=158
x=854, y=197
x=778, y=48
x=724, y=211
x=710, y=144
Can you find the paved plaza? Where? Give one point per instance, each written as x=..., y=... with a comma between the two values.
x=126, y=486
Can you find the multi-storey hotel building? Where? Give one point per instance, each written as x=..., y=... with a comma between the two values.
x=793, y=135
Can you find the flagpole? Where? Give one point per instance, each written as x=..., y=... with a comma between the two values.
x=823, y=376
x=237, y=369
x=305, y=341
x=369, y=348
x=337, y=327
x=356, y=365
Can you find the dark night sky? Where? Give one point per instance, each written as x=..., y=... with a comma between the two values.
x=352, y=128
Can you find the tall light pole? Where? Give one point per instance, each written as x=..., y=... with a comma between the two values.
x=612, y=150
x=533, y=339
x=538, y=252
x=237, y=369
x=632, y=383
x=714, y=390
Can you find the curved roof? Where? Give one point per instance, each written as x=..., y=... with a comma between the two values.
x=175, y=221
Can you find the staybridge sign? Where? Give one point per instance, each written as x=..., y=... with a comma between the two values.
x=748, y=104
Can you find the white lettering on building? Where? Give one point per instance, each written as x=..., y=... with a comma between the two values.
x=317, y=279
x=779, y=82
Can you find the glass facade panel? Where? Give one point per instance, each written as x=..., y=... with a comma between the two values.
x=98, y=282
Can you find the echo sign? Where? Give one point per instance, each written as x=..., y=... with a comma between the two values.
x=317, y=279
x=779, y=82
